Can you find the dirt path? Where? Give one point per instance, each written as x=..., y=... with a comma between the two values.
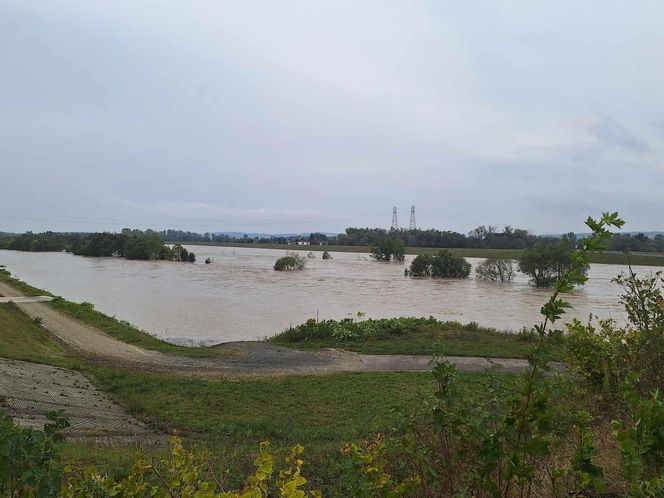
x=29, y=391
x=26, y=299
x=254, y=358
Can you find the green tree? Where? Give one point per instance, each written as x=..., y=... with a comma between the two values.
x=389, y=249
x=444, y=264
x=547, y=261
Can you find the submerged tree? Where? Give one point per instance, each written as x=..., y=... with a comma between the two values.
x=444, y=264
x=496, y=270
x=546, y=262
x=389, y=250
x=291, y=261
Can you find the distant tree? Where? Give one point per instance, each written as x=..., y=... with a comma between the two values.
x=496, y=270
x=389, y=250
x=444, y=264
x=317, y=238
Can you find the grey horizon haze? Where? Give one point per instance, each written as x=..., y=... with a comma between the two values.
x=314, y=116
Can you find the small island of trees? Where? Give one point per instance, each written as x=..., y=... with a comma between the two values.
x=129, y=244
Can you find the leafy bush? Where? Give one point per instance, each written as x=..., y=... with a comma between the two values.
x=291, y=261
x=496, y=270
x=641, y=442
x=444, y=264
x=327, y=255
x=188, y=473
x=29, y=460
x=605, y=355
x=597, y=354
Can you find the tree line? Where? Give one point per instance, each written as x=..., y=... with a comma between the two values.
x=129, y=244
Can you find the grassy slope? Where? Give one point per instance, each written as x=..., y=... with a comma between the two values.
x=121, y=330
x=320, y=412
x=615, y=258
x=439, y=338
x=23, y=339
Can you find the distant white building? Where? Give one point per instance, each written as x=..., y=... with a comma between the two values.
x=302, y=242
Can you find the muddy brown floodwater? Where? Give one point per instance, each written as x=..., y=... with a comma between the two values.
x=240, y=297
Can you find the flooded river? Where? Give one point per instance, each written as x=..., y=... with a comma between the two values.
x=240, y=297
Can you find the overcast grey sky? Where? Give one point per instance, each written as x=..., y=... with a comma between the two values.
x=317, y=115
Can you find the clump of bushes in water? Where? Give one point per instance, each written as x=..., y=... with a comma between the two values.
x=327, y=255
x=444, y=264
x=389, y=250
x=496, y=270
x=547, y=262
x=291, y=261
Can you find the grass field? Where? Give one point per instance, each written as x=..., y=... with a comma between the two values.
x=322, y=413
x=615, y=258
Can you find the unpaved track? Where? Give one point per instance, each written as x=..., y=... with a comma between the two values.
x=253, y=359
x=29, y=391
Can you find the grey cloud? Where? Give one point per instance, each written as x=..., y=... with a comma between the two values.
x=321, y=115
x=613, y=133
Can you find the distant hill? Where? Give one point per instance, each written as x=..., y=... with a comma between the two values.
x=240, y=235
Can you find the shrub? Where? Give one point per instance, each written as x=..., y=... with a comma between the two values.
x=349, y=329
x=389, y=250
x=496, y=270
x=327, y=255
x=444, y=264
x=291, y=261
x=596, y=354
x=29, y=460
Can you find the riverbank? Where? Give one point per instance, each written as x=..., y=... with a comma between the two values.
x=611, y=258
x=227, y=414
x=240, y=359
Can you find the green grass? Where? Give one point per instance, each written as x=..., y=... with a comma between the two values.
x=126, y=332
x=121, y=330
x=21, y=338
x=231, y=417
x=614, y=258
x=22, y=287
x=411, y=336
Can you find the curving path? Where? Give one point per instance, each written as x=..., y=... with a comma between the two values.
x=252, y=358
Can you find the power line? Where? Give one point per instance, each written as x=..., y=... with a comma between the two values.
x=395, y=224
